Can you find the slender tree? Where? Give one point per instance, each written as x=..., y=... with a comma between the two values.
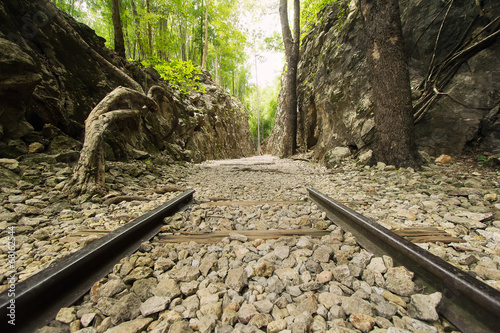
x=390, y=81
x=292, y=57
x=117, y=26
x=150, y=32
x=205, y=47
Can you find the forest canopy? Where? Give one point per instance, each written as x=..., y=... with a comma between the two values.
x=173, y=35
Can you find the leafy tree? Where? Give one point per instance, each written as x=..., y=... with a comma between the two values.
x=170, y=35
x=117, y=28
x=182, y=75
x=268, y=104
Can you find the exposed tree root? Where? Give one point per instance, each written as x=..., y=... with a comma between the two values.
x=439, y=75
x=121, y=103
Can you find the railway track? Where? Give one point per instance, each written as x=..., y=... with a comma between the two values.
x=471, y=305
x=38, y=298
x=467, y=303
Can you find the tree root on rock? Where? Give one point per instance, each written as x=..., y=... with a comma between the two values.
x=121, y=103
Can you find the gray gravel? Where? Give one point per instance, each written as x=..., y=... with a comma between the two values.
x=290, y=284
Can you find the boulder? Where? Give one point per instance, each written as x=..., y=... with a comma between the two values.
x=334, y=94
x=335, y=156
x=49, y=83
x=18, y=79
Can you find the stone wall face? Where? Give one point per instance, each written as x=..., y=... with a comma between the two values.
x=47, y=79
x=334, y=92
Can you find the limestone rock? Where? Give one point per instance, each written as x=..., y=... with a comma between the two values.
x=362, y=322
x=246, y=312
x=237, y=279
x=180, y=327
x=443, y=159
x=167, y=288
x=35, y=147
x=133, y=326
x=357, y=305
x=399, y=281
x=112, y=288
x=127, y=308
x=424, y=306
x=153, y=305
x=186, y=274
x=10, y=164
x=276, y=326
x=336, y=155
x=66, y=315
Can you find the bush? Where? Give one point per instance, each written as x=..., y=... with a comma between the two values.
x=183, y=75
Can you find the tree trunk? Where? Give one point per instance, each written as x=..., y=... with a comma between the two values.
x=88, y=175
x=205, y=47
x=389, y=78
x=150, y=33
x=117, y=26
x=137, y=28
x=292, y=57
x=258, y=106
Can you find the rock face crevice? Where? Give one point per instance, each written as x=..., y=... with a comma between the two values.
x=335, y=108
x=49, y=85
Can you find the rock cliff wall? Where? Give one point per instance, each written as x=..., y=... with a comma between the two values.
x=335, y=107
x=49, y=84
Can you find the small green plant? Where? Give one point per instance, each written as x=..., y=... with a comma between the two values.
x=181, y=74
x=482, y=160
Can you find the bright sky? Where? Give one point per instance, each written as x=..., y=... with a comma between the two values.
x=268, y=69
x=270, y=64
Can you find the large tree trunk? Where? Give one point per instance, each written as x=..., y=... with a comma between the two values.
x=389, y=78
x=117, y=26
x=88, y=176
x=292, y=57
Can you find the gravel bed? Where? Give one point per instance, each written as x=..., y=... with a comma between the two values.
x=289, y=284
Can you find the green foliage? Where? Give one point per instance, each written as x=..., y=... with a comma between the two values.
x=181, y=74
x=482, y=160
x=72, y=7
x=342, y=17
x=274, y=42
x=310, y=10
x=175, y=31
x=268, y=105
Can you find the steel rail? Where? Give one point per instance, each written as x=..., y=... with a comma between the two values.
x=38, y=298
x=469, y=304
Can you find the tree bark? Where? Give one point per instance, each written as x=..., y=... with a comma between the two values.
x=117, y=26
x=88, y=176
x=292, y=57
x=390, y=81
